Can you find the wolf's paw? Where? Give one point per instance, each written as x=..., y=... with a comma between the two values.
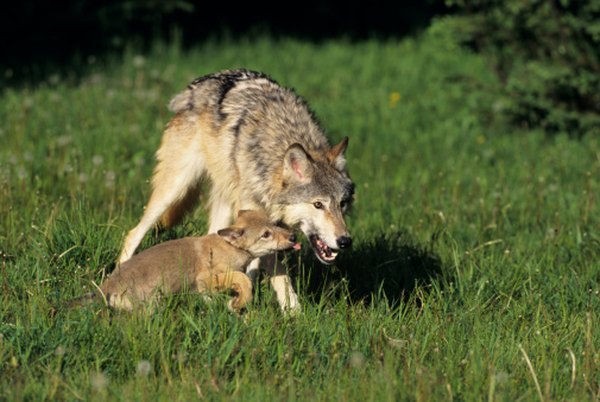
x=292, y=311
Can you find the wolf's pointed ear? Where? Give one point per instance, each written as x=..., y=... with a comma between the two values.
x=297, y=165
x=231, y=234
x=336, y=155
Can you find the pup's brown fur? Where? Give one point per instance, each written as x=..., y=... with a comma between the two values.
x=210, y=263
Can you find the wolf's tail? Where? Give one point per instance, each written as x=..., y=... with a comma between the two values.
x=210, y=90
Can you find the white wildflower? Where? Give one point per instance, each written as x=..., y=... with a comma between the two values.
x=143, y=368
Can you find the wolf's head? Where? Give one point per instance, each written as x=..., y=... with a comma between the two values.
x=252, y=231
x=316, y=193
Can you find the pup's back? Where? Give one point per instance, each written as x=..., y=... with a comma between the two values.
x=146, y=270
x=169, y=268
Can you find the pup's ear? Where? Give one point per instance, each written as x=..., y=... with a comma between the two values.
x=297, y=165
x=242, y=212
x=336, y=155
x=231, y=234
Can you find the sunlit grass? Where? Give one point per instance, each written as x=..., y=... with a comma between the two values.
x=474, y=272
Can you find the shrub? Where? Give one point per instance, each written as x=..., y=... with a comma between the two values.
x=546, y=52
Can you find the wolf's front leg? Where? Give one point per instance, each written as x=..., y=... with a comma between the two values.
x=286, y=296
x=253, y=269
x=280, y=280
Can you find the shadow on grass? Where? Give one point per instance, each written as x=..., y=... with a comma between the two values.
x=387, y=267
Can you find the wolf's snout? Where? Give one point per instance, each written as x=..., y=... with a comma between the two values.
x=292, y=238
x=344, y=241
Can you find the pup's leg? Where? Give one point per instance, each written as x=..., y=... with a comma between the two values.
x=242, y=286
x=174, y=188
x=119, y=301
x=236, y=281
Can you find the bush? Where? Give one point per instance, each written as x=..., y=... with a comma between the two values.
x=546, y=52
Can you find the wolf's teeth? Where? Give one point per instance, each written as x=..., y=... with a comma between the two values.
x=323, y=251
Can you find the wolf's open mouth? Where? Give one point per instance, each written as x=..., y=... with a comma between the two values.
x=322, y=250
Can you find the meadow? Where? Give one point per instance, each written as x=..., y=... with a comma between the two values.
x=474, y=273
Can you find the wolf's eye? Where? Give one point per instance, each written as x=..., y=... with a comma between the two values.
x=343, y=204
x=318, y=205
x=266, y=235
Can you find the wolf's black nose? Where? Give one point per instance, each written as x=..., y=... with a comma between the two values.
x=292, y=238
x=344, y=242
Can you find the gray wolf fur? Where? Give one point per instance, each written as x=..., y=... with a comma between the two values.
x=215, y=262
x=261, y=148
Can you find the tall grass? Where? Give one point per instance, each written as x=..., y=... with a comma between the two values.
x=474, y=272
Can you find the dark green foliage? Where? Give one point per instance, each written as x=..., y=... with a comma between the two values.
x=41, y=36
x=547, y=53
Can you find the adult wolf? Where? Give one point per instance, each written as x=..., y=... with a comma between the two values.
x=261, y=148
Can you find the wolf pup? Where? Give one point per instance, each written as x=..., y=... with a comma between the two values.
x=211, y=263
x=261, y=148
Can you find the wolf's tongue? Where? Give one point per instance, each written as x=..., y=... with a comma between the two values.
x=297, y=246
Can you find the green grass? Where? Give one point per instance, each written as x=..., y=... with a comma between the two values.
x=476, y=253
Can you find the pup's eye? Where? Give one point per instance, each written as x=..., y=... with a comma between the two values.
x=318, y=205
x=266, y=235
x=343, y=204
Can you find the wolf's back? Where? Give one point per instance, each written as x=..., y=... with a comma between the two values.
x=209, y=91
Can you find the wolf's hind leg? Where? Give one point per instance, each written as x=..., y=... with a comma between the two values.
x=165, y=196
x=177, y=210
x=220, y=214
x=174, y=191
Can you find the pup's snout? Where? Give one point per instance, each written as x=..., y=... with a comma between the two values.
x=292, y=238
x=344, y=241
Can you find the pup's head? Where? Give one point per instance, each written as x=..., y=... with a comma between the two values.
x=252, y=231
x=317, y=191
